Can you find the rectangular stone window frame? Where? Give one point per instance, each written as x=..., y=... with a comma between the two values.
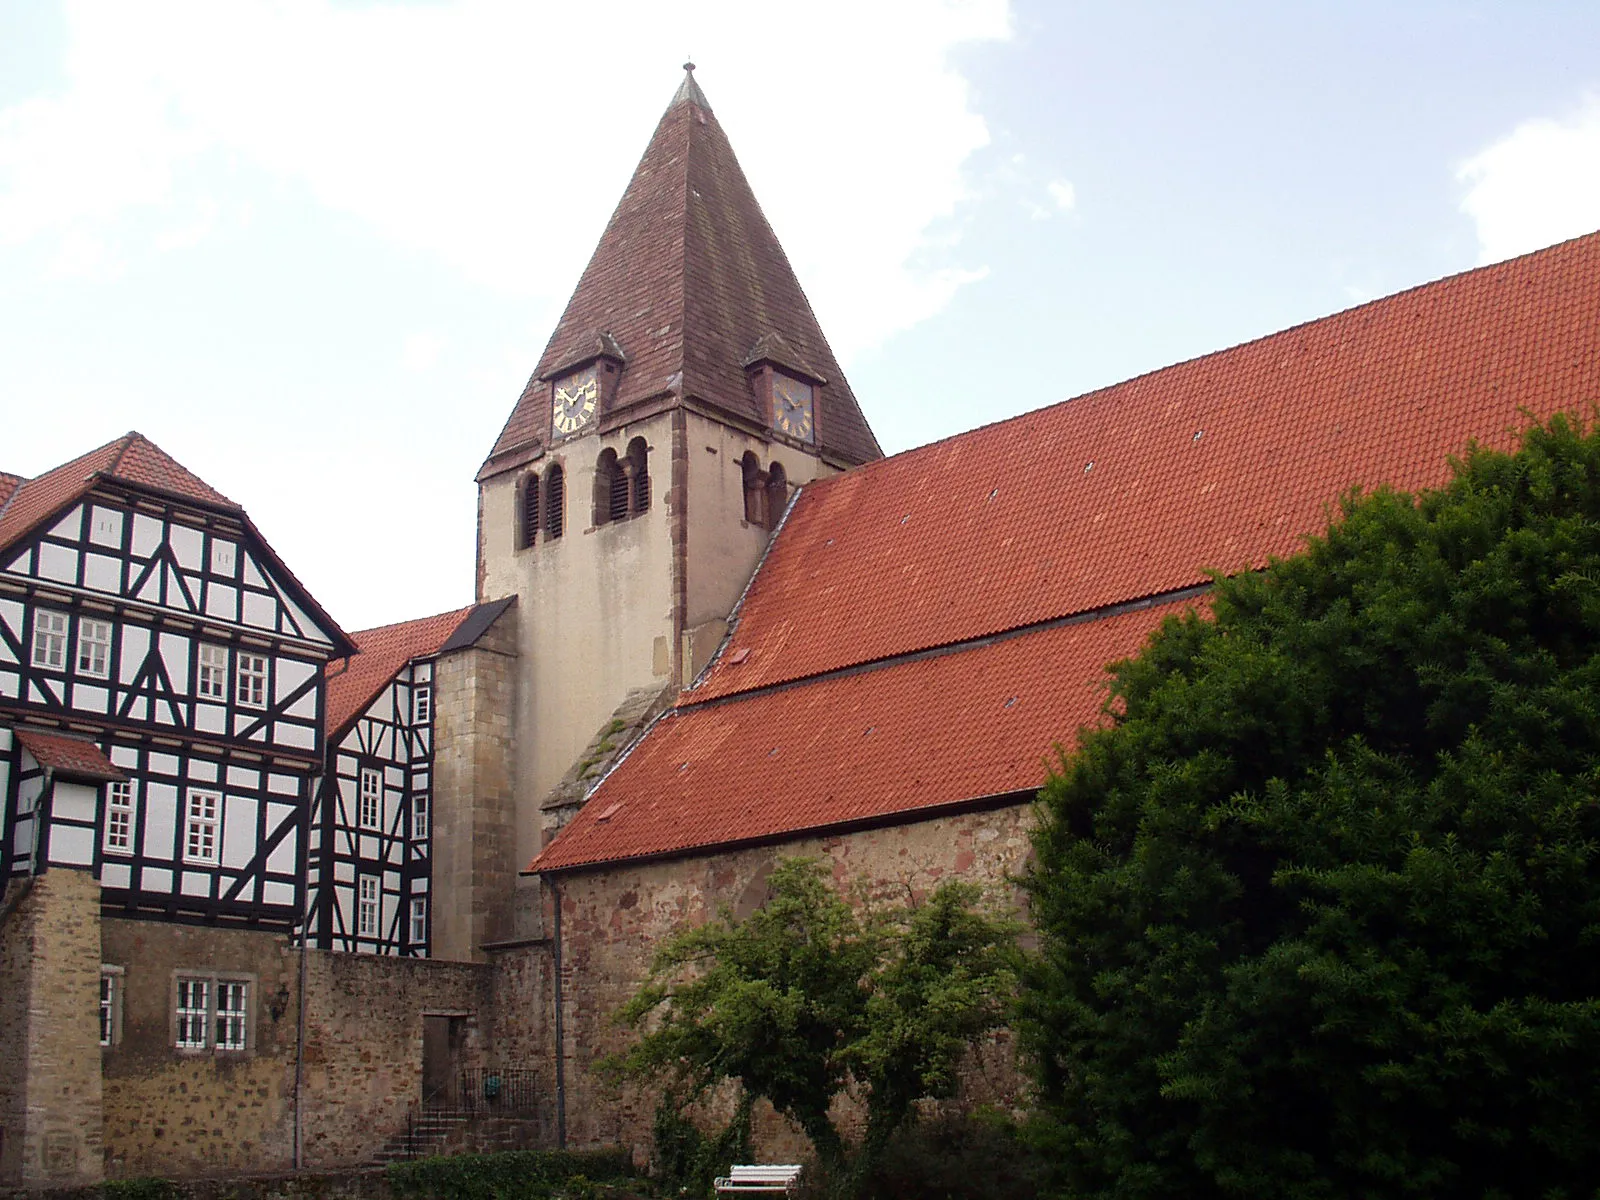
x=49, y=640
x=422, y=704
x=369, y=804
x=121, y=811
x=252, y=692
x=369, y=904
x=211, y=675
x=202, y=827
x=94, y=648
x=111, y=985
x=212, y=1012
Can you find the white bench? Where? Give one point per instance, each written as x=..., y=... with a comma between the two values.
x=780, y=1177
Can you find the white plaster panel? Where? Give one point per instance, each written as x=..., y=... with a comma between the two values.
x=72, y=845
x=139, y=709
x=124, y=756
x=102, y=573
x=105, y=526
x=222, y=602
x=196, y=591
x=11, y=617
x=260, y=610
x=210, y=718
x=239, y=831
x=224, y=557
x=305, y=707
x=69, y=526
x=135, y=646
x=22, y=564
x=160, y=820
x=177, y=597
x=116, y=875
x=146, y=535
x=422, y=673
x=29, y=790
x=244, y=777
x=301, y=736
x=58, y=562
x=155, y=879
x=196, y=883
x=290, y=674
x=283, y=785
x=150, y=589
x=10, y=684
x=281, y=860
x=308, y=628
x=277, y=814
x=90, y=698
x=344, y=872
x=252, y=573
x=247, y=893
x=203, y=770
x=186, y=546
x=382, y=706
x=46, y=691
x=22, y=841
x=369, y=845
x=75, y=802
x=281, y=894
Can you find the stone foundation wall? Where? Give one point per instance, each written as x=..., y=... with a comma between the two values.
x=188, y=1112
x=363, y=1053
x=50, y=1094
x=613, y=920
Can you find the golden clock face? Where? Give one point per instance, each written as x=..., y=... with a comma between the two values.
x=576, y=398
x=792, y=408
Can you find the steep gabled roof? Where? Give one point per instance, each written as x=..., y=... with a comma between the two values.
x=1073, y=511
x=354, y=682
x=688, y=278
x=136, y=461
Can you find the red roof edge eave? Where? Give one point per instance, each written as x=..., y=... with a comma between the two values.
x=902, y=816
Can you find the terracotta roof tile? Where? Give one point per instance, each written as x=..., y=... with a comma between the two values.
x=687, y=278
x=68, y=755
x=355, y=681
x=916, y=735
x=132, y=458
x=1137, y=489
x=8, y=484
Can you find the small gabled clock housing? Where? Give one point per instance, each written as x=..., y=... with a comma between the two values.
x=785, y=389
x=584, y=387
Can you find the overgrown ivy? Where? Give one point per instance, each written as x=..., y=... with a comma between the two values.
x=687, y=1160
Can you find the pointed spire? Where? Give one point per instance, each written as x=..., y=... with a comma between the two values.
x=689, y=91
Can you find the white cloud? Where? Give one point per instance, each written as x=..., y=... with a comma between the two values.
x=464, y=132
x=1062, y=194
x=1536, y=186
x=421, y=351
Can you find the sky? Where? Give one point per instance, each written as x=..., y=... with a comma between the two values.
x=314, y=249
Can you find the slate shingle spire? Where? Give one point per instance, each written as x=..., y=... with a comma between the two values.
x=687, y=281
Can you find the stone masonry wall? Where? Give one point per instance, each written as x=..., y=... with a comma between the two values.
x=613, y=920
x=474, y=875
x=50, y=1095
x=363, y=1053
x=187, y=1112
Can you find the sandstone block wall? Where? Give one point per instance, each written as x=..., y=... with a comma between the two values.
x=364, y=1038
x=50, y=1094
x=474, y=835
x=613, y=920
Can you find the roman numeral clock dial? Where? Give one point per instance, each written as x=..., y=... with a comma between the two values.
x=576, y=397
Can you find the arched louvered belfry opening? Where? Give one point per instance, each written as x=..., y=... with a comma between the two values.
x=528, y=510
x=555, y=502
x=777, y=494
x=638, y=469
x=755, y=494
x=610, y=489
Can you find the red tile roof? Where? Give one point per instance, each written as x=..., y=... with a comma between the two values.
x=1137, y=489
x=8, y=484
x=919, y=735
x=354, y=682
x=68, y=755
x=688, y=278
x=132, y=458
x=1129, y=492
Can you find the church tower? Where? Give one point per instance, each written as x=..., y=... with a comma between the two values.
x=686, y=391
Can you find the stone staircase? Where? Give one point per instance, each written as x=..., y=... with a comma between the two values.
x=454, y=1131
x=427, y=1133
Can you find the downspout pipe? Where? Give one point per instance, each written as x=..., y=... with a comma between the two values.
x=300, y=1002
x=14, y=901
x=561, y=1039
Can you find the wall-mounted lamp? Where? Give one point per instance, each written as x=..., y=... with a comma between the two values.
x=279, y=1004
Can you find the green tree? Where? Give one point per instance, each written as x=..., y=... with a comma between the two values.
x=1320, y=909
x=810, y=996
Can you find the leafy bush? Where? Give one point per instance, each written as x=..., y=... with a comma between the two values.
x=687, y=1161
x=515, y=1175
x=144, y=1187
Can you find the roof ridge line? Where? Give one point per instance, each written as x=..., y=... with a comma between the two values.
x=127, y=444
x=1081, y=617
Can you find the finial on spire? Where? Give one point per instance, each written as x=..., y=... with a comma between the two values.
x=690, y=90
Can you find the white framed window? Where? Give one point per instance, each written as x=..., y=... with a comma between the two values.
x=119, y=817
x=50, y=640
x=200, y=828
x=420, y=815
x=419, y=920
x=211, y=679
x=110, y=1004
x=194, y=1014
x=370, y=808
x=367, y=906
x=252, y=680
x=422, y=704
x=211, y=1013
x=94, y=647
